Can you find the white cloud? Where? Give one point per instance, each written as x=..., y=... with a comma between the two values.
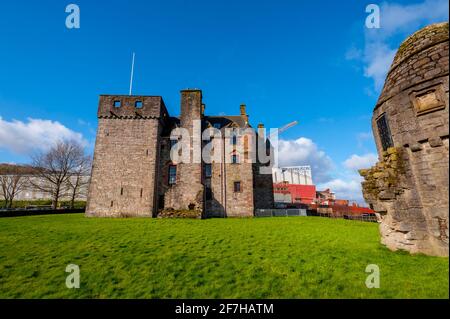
x=348, y=184
x=34, y=134
x=350, y=188
x=396, y=21
x=304, y=151
x=356, y=162
x=402, y=18
x=378, y=58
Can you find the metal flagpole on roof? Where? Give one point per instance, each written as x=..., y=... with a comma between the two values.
x=132, y=73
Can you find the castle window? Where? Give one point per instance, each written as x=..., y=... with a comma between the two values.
x=233, y=139
x=138, y=104
x=208, y=170
x=237, y=187
x=121, y=191
x=384, y=132
x=172, y=174
x=234, y=159
x=117, y=104
x=142, y=192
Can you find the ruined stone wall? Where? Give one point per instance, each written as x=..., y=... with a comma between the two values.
x=409, y=185
x=124, y=168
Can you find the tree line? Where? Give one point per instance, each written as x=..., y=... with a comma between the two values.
x=58, y=172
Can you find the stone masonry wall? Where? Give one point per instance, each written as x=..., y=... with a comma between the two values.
x=187, y=193
x=124, y=169
x=239, y=204
x=409, y=185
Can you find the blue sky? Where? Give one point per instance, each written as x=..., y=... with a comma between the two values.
x=311, y=61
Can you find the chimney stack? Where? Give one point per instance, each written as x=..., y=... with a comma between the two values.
x=191, y=106
x=261, y=130
x=244, y=113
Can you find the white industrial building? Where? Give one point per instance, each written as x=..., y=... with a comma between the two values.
x=298, y=175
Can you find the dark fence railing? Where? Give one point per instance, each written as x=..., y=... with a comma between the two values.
x=35, y=212
x=304, y=212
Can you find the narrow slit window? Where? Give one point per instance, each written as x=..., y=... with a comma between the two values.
x=208, y=170
x=384, y=132
x=172, y=174
x=233, y=139
x=237, y=187
x=121, y=191
x=142, y=192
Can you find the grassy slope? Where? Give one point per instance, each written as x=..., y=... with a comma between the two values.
x=307, y=257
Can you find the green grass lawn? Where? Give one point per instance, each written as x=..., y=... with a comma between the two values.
x=297, y=257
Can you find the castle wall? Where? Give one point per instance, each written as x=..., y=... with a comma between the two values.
x=409, y=185
x=124, y=169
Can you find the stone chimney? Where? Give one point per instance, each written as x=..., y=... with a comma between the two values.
x=191, y=106
x=261, y=130
x=244, y=114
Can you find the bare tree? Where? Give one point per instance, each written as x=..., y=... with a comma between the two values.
x=78, y=180
x=54, y=168
x=13, y=180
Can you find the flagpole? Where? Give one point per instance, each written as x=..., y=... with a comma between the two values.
x=132, y=73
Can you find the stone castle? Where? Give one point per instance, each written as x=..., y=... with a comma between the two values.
x=133, y=174
x=408, y=187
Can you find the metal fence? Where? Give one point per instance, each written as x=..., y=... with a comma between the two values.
x=280, y=212
x=304, y=212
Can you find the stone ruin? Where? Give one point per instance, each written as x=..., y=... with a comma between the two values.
x=408, y=187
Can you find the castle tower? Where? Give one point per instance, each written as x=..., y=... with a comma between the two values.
x=408, y=187
x=126, y=152
x=187, y=193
